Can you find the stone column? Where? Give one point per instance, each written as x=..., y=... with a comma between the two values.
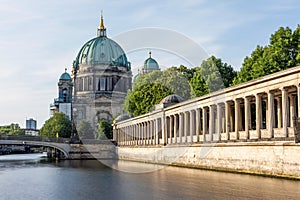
x=156, y=131
x=143, y=133
x=129, y=133
x=270, y=118
x=192, y=125
x=140, y=134
x=168, y=129
x=150, y=129
x=175, y=129
x=237, y=117
x=181, y=126
x=219, y=121
x=284, y=111
x=137, y=134
x=171, y=127
x=128, y=139
x=211, y=122
x=227, y=119
x=163, y=129
x=258, y=114
x=134, y=134
x=204, y=115
x=125, y=135
x=298, y=100
x=186, y=126
x=292, y=110
x=247, y=116
x=279, y=114
x=198, y=122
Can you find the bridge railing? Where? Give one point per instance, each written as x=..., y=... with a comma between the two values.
x=34, y=138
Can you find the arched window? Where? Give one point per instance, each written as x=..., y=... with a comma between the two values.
x=65, y=95
x=102, y=83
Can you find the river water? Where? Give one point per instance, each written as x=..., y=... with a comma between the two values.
x=30, y=177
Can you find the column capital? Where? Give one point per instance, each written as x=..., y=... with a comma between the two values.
x=237, y=100
x=212, y=105
x=248, y=97
x=258, y=94
x=271, y=91
x=283, y=88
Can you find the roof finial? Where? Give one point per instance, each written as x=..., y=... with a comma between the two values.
x=149, y=53
x=101, y=21
x=101, y=29
x=66, y=70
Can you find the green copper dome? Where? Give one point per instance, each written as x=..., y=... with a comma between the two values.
x=65, y=76
x=102, y=51
x=150, y=63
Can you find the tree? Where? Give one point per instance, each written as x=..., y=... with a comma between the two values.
x=104, y=130
x=187, y=73
x=216, y=74
x=280, y=54
x=211, y=76
x=145, y=97
x=199, y=87
x=85, y=130
x=12, y=129
x=170, y=78
x=149, y=89
x=58, y=123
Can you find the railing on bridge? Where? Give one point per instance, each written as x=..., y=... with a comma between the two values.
x=34, y=138
x=53, y=139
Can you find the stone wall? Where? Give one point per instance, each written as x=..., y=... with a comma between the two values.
x=265, y=158
x=92, y=151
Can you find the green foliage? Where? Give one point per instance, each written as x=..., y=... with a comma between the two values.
x=104, y=130
x=149, y=89
x=145, y=97
x=12, y=129
x=187, y=73
x=170, y=78
x=198, y=84
x=280, y=54
x=58, y=123
x=85, y=130
x=216, y=74
x=211, y=76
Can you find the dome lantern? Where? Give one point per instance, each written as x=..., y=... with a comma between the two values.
x=101, y=31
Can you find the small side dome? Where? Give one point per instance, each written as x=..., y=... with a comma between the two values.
x=150, y=64
x=172, y=99
x=65, y=76
x=135, y=78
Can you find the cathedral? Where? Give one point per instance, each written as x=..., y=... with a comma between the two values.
x=101, y=76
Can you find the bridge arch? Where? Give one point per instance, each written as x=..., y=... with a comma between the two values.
x=64, y=148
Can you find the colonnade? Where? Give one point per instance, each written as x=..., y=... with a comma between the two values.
x=257, y=110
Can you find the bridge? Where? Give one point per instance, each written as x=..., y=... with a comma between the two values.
x=59, y=146
x=64, y=148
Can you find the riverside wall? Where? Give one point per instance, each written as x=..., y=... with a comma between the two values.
x=272, y=158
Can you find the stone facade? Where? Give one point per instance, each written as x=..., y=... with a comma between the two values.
x=265, y=158
x=101, y=75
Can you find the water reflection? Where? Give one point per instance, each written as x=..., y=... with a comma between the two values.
x=93, y=180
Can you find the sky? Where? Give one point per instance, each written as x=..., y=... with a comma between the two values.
x=39, y=39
